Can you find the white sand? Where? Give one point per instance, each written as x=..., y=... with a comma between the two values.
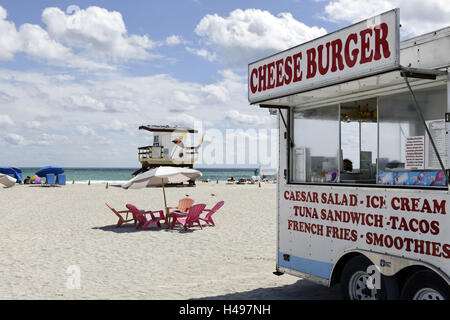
x=45, y=230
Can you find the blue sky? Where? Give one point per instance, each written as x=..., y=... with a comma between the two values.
x=76, y=96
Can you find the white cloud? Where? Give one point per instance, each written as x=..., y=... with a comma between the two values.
x=246, y=35
x=8, y=37
x=118, y=126
x=97, y=31
x=173, y=40
x=210, y=56
x=86, y=102
x=33, y=124
x=416, y=16
x=47, y=139
x=15, y=139
x=97, y=40
x=6, y=121
x=43, y=139
x=37, y=43
x=85, y=131
x=90, y=134
x=34, y=41
x=243, y=119
x=6, y=98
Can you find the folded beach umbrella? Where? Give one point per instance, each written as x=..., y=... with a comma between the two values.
x=161, y=176
x=42, y=172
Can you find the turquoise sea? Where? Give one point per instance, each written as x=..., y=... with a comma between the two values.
x=96, y=175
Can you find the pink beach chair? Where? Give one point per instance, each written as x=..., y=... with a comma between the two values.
x=142, y=220
x=119, y=215
x=188, y=220
x=208, y=217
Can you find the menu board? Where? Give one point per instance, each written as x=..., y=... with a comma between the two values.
x=438, y=133
x=415, y=152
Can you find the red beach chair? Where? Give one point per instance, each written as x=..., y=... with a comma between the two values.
x=143, y=222
x=208, y=217
x=119, y=214
x=188, y=220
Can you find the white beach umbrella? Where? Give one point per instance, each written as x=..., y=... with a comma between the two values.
x=161, y=176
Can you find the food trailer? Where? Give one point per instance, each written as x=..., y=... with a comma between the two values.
x=363, y=191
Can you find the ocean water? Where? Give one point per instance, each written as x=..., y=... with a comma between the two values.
x=100, y=175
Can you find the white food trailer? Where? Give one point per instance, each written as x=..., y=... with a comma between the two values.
x=363, y=190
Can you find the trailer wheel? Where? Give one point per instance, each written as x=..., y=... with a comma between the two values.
x=425, y=285
x=355, y=279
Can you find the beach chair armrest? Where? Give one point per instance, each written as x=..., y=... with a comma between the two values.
x=150, y=213
x=124, y=211
x=178, y=214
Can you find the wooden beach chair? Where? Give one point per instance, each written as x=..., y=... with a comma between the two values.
x=188, y=220
x=119, y=215
x=183, y=205
x=208, y=217
x=142, y=220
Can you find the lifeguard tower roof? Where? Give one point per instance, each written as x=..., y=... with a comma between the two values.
x=156, y=128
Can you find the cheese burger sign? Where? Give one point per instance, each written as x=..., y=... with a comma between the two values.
x=368, y=47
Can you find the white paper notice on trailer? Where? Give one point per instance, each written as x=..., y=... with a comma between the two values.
x=365, y=48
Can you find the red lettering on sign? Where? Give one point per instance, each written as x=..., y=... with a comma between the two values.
x=262, y=78
x=271, y=80
x=365, y=46
x=368, y=45
x=297, y=73
x=312, y=66
x=288, y=70
x=381, y=41
x=323, y=70
x=351, y=61
x=338, y=61
x=253, y=86
x=279, y=69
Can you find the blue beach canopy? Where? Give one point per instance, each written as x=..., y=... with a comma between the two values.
x=13, y=172
x=49, y=170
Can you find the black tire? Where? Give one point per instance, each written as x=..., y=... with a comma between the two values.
x=429, y=283
x=356, y=268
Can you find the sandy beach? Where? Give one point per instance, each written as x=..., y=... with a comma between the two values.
x=48, y=232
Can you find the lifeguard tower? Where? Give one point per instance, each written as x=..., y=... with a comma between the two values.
x=168, y=149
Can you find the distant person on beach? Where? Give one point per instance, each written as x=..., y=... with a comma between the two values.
x=27, y=180
x=231, y=179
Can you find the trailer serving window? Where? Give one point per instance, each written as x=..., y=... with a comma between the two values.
x=316, y=138
x=406, y=155
x=376, y=141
